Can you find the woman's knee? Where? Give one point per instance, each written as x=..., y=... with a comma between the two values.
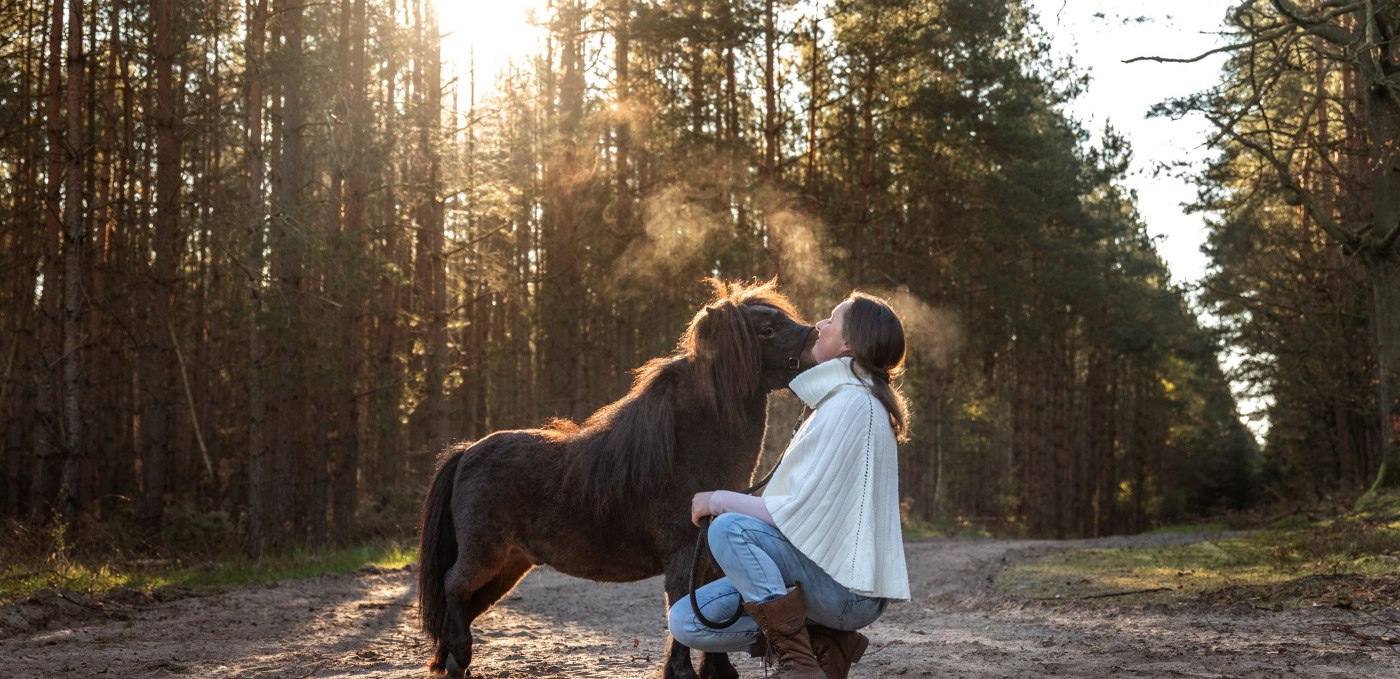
x=733, y=528
x=726, y=533
x=729, y=523
x=681, y=622
x=687, y=630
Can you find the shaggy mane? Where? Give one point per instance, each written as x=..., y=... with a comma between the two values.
x=629, y=445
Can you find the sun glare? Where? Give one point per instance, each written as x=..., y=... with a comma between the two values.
x=486, y=35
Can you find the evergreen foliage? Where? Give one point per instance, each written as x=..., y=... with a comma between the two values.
x=1305, y=236
x=355, y=258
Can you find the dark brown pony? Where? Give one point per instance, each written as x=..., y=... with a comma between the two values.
x=609, y=499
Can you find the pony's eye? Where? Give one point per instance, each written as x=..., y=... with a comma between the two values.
x=766, y=331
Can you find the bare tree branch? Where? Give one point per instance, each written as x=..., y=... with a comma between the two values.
x=1319, y=24
x=1387, y=240
x=1267, y=37
x=1348, y=240
x=1299, y=20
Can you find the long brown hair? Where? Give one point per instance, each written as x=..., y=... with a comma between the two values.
x=627, y=446
x=876, y=337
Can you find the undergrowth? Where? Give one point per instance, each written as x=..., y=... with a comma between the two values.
x=1352, y=561
x=193, y=552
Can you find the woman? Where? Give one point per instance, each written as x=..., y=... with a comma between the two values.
x=820, y=553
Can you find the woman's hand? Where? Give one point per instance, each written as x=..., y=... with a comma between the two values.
x=700, y=507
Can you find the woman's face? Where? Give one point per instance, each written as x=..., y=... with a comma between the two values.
x=831, y=335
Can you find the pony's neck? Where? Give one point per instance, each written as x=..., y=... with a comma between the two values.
x=724, y=455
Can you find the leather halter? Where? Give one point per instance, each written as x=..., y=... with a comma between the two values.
x=794, y=362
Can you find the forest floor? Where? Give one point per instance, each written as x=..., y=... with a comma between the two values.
x=959, y=625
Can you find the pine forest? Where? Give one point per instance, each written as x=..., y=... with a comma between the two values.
x=261, y=260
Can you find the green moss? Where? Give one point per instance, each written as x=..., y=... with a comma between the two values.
x=1387, y=478
x=1261, y=565
x=1189, y=529
x=18, y=580
x=1382, y=501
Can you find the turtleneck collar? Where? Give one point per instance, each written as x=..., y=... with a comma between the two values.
x=818, y=382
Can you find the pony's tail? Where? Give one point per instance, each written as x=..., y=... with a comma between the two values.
x=437, y=546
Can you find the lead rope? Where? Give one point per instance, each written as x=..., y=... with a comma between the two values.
x=702, y=542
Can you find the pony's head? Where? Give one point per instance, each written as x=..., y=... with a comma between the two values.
x=748, y=339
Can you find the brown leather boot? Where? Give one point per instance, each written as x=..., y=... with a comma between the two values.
x=836, y=650
x=783, y=622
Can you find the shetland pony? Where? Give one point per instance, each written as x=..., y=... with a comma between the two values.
x=609, y=499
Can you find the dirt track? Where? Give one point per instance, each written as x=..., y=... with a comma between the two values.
x=364, y=625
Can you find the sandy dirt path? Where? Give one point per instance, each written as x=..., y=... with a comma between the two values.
x=554, y=626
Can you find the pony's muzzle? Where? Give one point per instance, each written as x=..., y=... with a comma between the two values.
x=794, y=362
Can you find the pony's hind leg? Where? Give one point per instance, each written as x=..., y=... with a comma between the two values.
x=512, y=570
x=470, y=592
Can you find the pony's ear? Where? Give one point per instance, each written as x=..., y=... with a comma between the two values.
x=727, y=359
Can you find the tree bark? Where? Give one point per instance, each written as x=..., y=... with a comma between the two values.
x=1385, y=285
x=73, y=235
x=289, y=400
x=1382, y=257
x=770, y=97
x=50, y=330
x=562, y=297
x=156, y=381
x=257, y=403
x=867, y=170
x=431, y=266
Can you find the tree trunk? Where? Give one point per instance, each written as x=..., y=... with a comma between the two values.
x=814, y=95
x=156, y=380
x=50, y=331
x=1383, y=258
x=257, y=402
x=73, y=235
x=431, y=268
x=562, y=289
x=1385, y=285
x=345, y=455
x=770, y=97
x=289, y=399
x=867, y=170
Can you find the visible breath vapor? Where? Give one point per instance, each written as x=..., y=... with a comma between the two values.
x=931, y=334
x=676, y=230
x=802, y=269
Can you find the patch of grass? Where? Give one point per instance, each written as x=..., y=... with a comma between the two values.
x=914, y=527
x=19, y=580
x=1289, y=563
x=1189, y=529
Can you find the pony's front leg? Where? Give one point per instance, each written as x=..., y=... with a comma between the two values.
x=677, y=663
x=717, y=666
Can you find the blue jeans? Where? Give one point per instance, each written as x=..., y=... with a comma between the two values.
x=760, y=564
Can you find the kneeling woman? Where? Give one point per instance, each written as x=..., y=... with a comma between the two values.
x=819, y=555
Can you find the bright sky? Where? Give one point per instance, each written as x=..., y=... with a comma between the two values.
x=488, y=33
x=1100, y=35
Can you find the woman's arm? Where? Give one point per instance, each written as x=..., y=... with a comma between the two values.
x=721, y=501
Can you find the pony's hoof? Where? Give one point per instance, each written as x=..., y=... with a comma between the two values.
x=725, y=671
x=454, y=670
x=716, y=666
x=671, y=672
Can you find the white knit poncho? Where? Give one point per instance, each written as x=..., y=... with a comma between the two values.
x=835, y=495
